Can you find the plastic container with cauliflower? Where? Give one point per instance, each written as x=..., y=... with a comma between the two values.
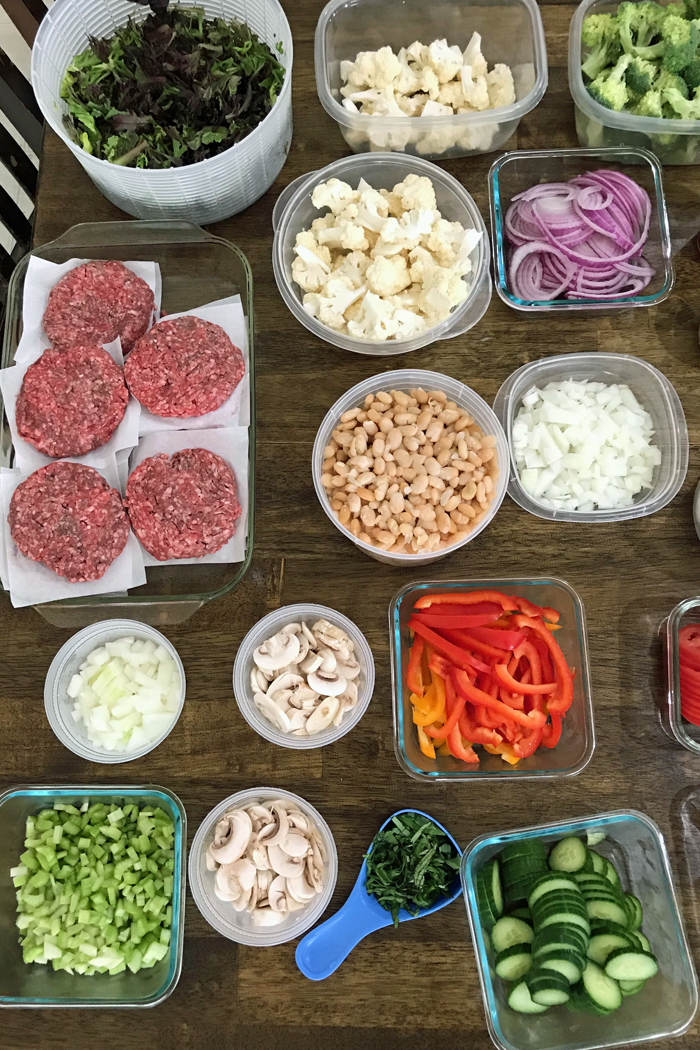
x=381, y=255
x=430, y=79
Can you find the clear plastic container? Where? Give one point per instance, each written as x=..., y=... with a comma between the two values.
x=410, y=379
x=66, y=663
x=687, y=734
x=207, y=191
x=653, y=391
x=575, y=748
x=511, y=32
x=518, y=171
x=238, y=926
x=673, y=141
x=244, y=664
x=196, y=268
x=34, y=985
x=383, y=171
x=668, y=1003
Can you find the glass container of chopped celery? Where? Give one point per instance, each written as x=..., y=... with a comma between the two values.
x=92, y=883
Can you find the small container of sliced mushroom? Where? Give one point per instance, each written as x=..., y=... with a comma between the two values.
x=303, y=676
x=263, y=867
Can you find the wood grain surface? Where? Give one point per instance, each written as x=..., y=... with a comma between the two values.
x=417, y=987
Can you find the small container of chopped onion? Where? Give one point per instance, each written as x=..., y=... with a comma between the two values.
x=114, y=691
x=604, y=418
x=554, y=210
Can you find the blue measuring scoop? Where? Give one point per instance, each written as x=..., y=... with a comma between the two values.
x=322, y=951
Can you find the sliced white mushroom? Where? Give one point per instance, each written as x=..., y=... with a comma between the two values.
x=231, y=837
x=267, y=917
x=312, y=662
x=298, y=820
x=331, y=637
x=314, y=871
x=292, y=628
x=293, y=905
x=328, y=660
x=298, y=720
x=283, y=864
x=271, y=711
x=349, y=697
x=327, y=683
x=299, y=732
x=349, y=668
x=322, y=717
x=276, y=652
x=273, y=834
x=303, y=648
x=309, y=635
x=300, y=889
x=209, y=860
x=259, y=857
x=295, y=845
x=265, y=880
x=283, y=683
x=277, y=894
x=309, y=705
x=258, y=681
x=235, y=881
x=338, y=718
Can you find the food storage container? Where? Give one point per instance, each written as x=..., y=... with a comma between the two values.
x=654, y=393
x=511, y=32
x=196, y=268
x=664, y=1008
x=207, y=191
x=687, y=734
x=36, y=985
x=673, y=141
x=516, y=172
x=244, y=664
x=575, y=748
x=238, y=926
x=383, y=171
x=66, y=663
x=410, y=379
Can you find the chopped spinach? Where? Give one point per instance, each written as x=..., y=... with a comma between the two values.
x=171, y=90
x=410, y=865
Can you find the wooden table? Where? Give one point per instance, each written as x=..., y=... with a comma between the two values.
x=416, y=987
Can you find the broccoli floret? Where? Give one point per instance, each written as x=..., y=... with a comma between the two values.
x=639, y=24
x=687, y=109
x=640, y=75
x=691, y=74
x=671, y=82
x=609, y=88
x=681, y=40
x=600, y=33
x=649, y=105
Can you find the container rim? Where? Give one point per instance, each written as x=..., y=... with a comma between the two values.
x=505, y=405
x=515, y=111
x=605, y=153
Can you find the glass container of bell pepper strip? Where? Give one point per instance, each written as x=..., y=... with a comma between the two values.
x=484, y=674
x=681, y=712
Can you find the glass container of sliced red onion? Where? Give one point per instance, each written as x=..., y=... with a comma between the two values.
x=580, y=229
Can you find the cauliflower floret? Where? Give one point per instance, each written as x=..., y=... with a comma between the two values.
x=411, y=105
x=475, y=89
x=416, y=223
x=344, y=234
x=373, y=209
x=408, y=299
x=463, y=264
x=323, y=222
x=330, y=305
x=444, y=241
x=375, y=69
x=422, y=263
x=474, y=58
x=394, y=202
x=333, y=194
x=500, y=86
x=392, y=239
x=352, y=266
x=440, y=139
x=416, y=191
x=408, y=80
x=479, y=137
x=375, y=321
x=312, y=264
x=445, y=60
x=451, y=95
x=409, y=324
x=417, y=53
x=442, y=291
x=429, y=83
x=388, y=276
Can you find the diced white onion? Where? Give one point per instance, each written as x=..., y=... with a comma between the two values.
x=126, y=694
x=585, y=446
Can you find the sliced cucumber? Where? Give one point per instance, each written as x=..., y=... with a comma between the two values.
x=522, y=867
x=568, y=964
x=508, y=931
x=634, y=910
x=568, y=855
x=604, y=926
x=488, y=893
x=544, y=908
x=603, y=992
x=627, y=964
x=524, y=848
x=514, y=962
x=607, y=909
x=611, y=873
x=566, y=918
x=598, y=862
x=594, y=837
x=601, y=945
x=631, y=987
x=643, y=941
x=547, y=988
x=560, y=937
x=521, y=913
x=520, y=1000
x=550, y=883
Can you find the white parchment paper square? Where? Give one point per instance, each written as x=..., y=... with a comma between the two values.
x=31, y=582
x=228, y=314
x=41, y=277
x=231, y=443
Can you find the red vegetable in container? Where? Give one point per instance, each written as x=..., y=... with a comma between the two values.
x=689, y=666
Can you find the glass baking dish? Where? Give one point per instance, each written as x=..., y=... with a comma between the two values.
x=665, y=1008
x=687, y=734
x=35, y=985
x=575, y=749
x=196, y=268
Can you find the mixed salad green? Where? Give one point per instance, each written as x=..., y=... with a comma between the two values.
x=174, y=89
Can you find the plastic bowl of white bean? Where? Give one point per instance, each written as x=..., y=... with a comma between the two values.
x=410, y=466
x=303, y=676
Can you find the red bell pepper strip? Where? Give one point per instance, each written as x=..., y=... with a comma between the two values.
x=530, y=609
x=457, y=619
x=528, y=651
x=454, y=654
x=479, y=609
x=467, y=598
x=414, y=673
x=478, y=734
x=458, y=749
x=552, y=733
x=563, y=697
x=546, y=669
x=516, y=701
x=528, y=744
x=466, y=640
x=477, y=696
x=440, y=665
x=500, y=671
x=501, y=639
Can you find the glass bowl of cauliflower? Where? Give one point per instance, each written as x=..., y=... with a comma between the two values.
x=382, y=254
x=437, y=80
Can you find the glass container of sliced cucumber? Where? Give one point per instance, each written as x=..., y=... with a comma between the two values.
x=578, y=935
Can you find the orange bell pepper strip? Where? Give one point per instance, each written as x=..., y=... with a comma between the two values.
x=443, y=749
x=453, y=653
x=506, y=679
x=464, y=688
x=426, y=744
x=467, y=598
x=454, y=704
x=505, y=751
x=414, y=673
x=563, y=696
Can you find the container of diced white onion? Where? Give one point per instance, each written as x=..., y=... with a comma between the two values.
x=114, y=691
x=645, y=411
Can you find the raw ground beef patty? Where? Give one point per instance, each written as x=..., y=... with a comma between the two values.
x=66, y=516
x=71, y=401
x=185, y=506
x=95, y=303
x=184, y=367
